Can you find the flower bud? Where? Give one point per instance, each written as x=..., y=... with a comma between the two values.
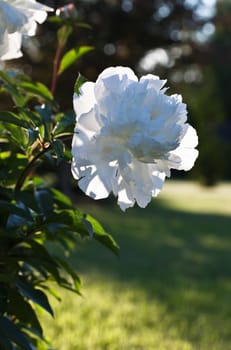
x=67, y=12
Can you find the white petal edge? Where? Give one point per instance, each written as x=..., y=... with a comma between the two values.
x=84, y=102
x=186, y=151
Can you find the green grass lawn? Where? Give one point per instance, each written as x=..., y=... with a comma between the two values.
x=170, y=289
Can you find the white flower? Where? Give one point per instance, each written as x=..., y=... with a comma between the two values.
x=128, y=136
x=17, y=18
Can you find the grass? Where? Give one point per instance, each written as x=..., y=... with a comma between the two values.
x=171, y=287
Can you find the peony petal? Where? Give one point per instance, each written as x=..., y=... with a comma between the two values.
x=190, y=138
x=129, y=135
x=85, y=101
x=12, y=18
x=138, y=181
x=124, y=201
x=88, y=123
x=187, y=158
x=17, y=18
x=157, y=180
x=10, y=48
x=113, y=80
x=153, y=82
x=186, y=153
x=125, y=196
x=119, y=72
x=94, y=184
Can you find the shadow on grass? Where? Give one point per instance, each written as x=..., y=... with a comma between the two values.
x=181, y=259
x=161, y=242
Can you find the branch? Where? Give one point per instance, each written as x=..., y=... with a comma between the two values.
x=29, y=167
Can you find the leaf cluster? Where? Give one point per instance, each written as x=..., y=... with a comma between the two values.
x=35, y=218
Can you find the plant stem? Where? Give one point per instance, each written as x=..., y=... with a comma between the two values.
x=55, y=68
x=29, y=167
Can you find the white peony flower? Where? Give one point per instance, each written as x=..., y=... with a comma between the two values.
x=17, y=18
x=128, y=136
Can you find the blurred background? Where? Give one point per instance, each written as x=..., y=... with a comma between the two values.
x=170, y=288
x=187, y=42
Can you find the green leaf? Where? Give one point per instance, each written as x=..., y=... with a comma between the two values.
x=36, y=89
x=67, y=219
x=46, y=118
x=26, y=218
x=63, y=34
x=19, y=307
x=11, y=167
x=31, y=116
x=27, y=197
x=14, y=210
x=65, y=125
x=16, y=136
x=51, y=291
x=5, y=343
x=34, y=294
x=45, y=201
x=59, y=149
x=72, y=56
x=72, y=273
x=78, y=83
x=60, y=199
x=33, y=136
x=3, y=286
x=10, y=331
x=37, y=256
x=12, y=118
x=98, y=232
x=10, y=86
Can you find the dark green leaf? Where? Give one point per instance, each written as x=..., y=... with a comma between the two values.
x=36, y=295
x=46, y=118
x=33, y=136
x=14, y=210
x=72, y=273
x=3, y=286
x=11, y=166
x=16, y=221
x=45, y=201
x=36, y=257
x=19, y=307
x=68, y=219
x=5, y=343
x=65, y=125
x=12, y=118
x=12, y=332
x=28, y=198
x=72, y=56
x=58, y=147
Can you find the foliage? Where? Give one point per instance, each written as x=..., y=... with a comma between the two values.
x=208, y=118
x=220, y=48
x=34, y=214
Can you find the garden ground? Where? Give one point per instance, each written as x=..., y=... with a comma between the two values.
x=170, y=289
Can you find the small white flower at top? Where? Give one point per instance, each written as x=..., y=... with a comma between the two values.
x=18, y=18
x=128, y=136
